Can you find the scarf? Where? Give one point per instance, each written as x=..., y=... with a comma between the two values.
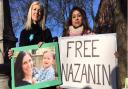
x=75, y=31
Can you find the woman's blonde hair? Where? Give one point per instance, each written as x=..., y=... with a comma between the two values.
x=29, y=17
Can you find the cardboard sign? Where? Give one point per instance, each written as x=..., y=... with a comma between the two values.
x=1, y=31
x=88, y=61
x=33, y=67
x=1, y=20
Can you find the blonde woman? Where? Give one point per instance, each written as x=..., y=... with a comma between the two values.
x=35, y=31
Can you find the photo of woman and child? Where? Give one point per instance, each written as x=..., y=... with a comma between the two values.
x=27, y=74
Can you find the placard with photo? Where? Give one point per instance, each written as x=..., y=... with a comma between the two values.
x=34, y=67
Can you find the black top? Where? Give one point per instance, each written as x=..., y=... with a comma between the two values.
x=22, y=83
x=34, y=36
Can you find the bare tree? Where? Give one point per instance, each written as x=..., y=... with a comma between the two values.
x=111, y=18
x=121, y=30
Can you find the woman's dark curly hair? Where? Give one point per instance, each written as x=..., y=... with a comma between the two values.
x=83, y=16
x=84, y=22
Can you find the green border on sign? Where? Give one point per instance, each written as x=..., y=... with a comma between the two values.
x=49, y=83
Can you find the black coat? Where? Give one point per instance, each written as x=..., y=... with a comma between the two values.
x=34, y=36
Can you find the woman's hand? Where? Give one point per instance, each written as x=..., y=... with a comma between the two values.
x=40, y=44
x=116, y=54
x=58, y=87
x=10, y=53
x=34, y=81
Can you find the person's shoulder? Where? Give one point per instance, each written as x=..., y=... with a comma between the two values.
x=51, y=69
x=24, y=31
x=47, y=29
x=87, y=31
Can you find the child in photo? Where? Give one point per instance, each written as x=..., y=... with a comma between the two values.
x=46, y=72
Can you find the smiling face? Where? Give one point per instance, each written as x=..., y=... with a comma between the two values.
x=76, y=18
x=27, y=65
x=48, y=59
x=36, y=13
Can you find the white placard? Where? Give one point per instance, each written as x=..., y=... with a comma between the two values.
x=88, y=61
x=1, y=19
x=1, y=31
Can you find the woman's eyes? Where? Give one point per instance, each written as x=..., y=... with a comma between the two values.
x=73, y=16
x=37, y=10
x=27, y=62
x=30, y=60
x=79, y=15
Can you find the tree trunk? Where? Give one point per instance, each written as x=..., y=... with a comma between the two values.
x=113, y=11
x=121, y=30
